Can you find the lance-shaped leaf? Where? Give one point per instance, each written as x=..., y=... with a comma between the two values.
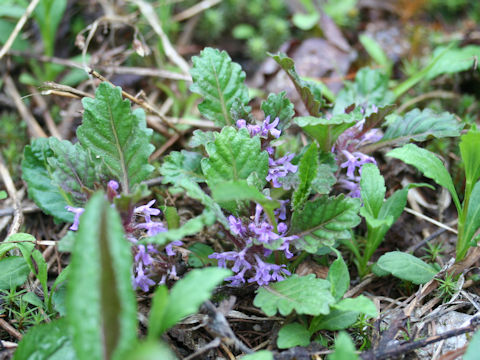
x=324, y=221
x=117, y=136
x=312, y=101
x=472, y=221
x=180, y=164
x=38, y=175
x=302, y=294
x=417, y=125
x=278, y=105
x=470, y=150
x=307, y=171
x=373, y=189
x=220, y=82
x=73, y=169
x=234, y=156
x=326, y=131
x=101, y=304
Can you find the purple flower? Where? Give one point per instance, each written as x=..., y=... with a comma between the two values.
x=141, y=280
x=169, y=250
x=143, y=255
x=263, y=130
x=236, y=226
x=280, y=168
x=266, y=272
x=76, y=219
x=147, y=210
x=153, y=227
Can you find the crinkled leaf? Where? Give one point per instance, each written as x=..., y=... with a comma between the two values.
x=179, y=164
x=220, y=82
x=184, y=299
x=339, y=278
x=325, y=220
x=234, y=156
x=201, y=138
x=361, y=304
x=307, y=171
x=472, y=221
x=429, y=165
x=344, y=348
x=14, y=271
x=375, y=119
x=74, y=171
x=418, y=125
x=335, y=320
x=117, y=136
x=453, y=60
x=46, y=341
x=373, y=189
x=470, y=150
x=406, y=267
x=291, y=335
x=278, y=105
x=302, y=294
x=370, y=88
x=312, y=103
x=37, y=173
x=101, y=304
x=240, y=111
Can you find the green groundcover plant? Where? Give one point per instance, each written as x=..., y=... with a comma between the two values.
x=271, y=201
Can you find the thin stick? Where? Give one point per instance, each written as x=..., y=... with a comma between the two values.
x=195, y=9
x=164, y=147
x=10, y=329
x=18, y=28
x=430, y=220
x=12, y=192
x=432, y=94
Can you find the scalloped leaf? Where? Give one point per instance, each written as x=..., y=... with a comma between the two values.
x=201, y=138
x=302, y=294
x=180, y=164
x=234, y=156
x=220, y=82
x=278, y=105
x=313, y=102
x=325, y=220
x=116, y=135
x=37, y=173
x=101, y=305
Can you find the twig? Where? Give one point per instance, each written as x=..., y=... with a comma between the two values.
x=211, y=345
x=18, y=27
x=160, y=73
x=34, y=129
x=429, y=219
x=12, y=192
x=64, y=90
x=10, y=329
x=164, y=147
x=195, y=9
x=8, y=211
x=149, y=12
x=432, y=94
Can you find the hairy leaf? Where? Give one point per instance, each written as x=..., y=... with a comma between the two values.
x=278, y=105
x=37, y=173
x=429, y=165
x=344, y=348
x=234, y=156
x=184, y=299
x=180, y=164
x=312, y=101
x=101, y=302
x=406, y=267
x=240, y=111
x=13, y=272
x=291, y=335
x=117, y=136
x=307, y=171
x=325, y=220
x=201, y=138
x=220, y=82
x=373, y=189
x=302, y=294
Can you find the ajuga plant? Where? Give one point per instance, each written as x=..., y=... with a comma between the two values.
x=270, y=204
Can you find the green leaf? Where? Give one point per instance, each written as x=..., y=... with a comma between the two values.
x=117, y=136
x=324, y=221
x=291, y=335
x=201, y=138
x=335, y=320
x=199, y=255
x=373, y=189
x=37, y=173
x=326, y=131
x=361, y=304
x=48, y=15
x=469, y=148
x=429, y=165
x=185, y=298
x=3, y=195
x=376, y=52
x=303, y=294
x=240, y=111
x=312, y=101
x=220, y=82
x=259, y=355
x=151, y=350
x=305, y=21
x=234, y=156
x=23, y=241
x=74, y=171
x=307, y=171
x=344, y=348
x=49, y=341
x=417, y=125
x=339, y=278
x=33, y=299
x=472, y=221
x=406, y=267
x=172, y=217
x=101, y=304
x=278, y=105
x=179, y=164
x=453, y=60
x=473, y=347
x=13, y=272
